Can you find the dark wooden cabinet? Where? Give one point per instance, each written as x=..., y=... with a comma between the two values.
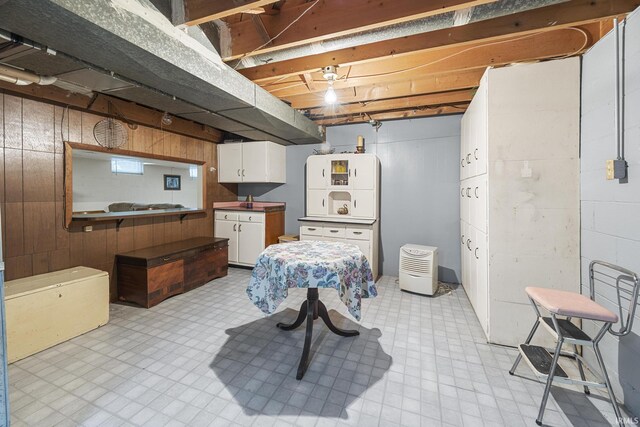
x=150, y=275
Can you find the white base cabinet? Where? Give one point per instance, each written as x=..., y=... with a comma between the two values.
x=365, y=236
x=257, y=161
x=246, y=234
x=519, y=190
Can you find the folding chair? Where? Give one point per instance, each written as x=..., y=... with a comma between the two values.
x=573, y=305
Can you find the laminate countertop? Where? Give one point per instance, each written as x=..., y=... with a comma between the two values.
x=257, y=206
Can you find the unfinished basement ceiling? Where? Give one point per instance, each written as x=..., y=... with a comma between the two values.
x=130, y=50
x=395, y=59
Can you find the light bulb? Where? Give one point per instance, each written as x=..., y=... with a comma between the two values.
x=330, y=97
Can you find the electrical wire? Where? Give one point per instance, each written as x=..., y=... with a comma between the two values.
x=469, y=49
x=277, y=35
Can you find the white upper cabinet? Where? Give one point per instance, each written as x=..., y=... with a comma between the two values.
x=258, y=161
x=362, y=172
x=229, y=162
x=343, y=182
x=317, y=172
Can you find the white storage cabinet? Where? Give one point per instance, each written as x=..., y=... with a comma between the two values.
x=246, y=234
x=519, y=190
x=257, y=161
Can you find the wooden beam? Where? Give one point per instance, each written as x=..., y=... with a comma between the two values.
x=409, y=102
x=332, y=18
x=406, y=114
x=201, y=11
x=571, y=13
x=133, y=112
x=376, y=91
x=562, y=42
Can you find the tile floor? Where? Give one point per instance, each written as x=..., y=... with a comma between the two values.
x=210, y=358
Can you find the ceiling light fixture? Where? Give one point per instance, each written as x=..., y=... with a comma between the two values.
x=166, y=119
x=330, y=74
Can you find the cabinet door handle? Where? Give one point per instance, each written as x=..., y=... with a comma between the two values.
x=242, y=172
x=468, y=189
x=235, y=226
x=469, y=244
x=323, y=203
x=349, y=172
x=355, y=173
x=462, y=192
x=462, y=162
x=462, y=239
x=323, y=172
x=355, y=203
x=238, y=172
x=249, y=218
x=239, y=227
x=476, y=191
x=475, y=153
x=476, y=253
x=468, y=161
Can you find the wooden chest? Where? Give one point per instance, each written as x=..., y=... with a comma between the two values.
x=150, y=275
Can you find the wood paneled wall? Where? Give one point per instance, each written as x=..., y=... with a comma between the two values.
x=31, y=192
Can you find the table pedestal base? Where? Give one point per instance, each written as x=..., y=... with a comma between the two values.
x=311, y=309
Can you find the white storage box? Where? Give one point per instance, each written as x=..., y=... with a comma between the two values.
x=51, y=308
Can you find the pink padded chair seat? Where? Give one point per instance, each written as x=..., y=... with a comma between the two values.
x=570, y=304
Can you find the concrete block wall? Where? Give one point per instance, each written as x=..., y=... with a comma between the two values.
x=610, y=211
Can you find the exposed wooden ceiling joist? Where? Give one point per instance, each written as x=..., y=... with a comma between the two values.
x=404, y=114
x=201, y=11
x=328, y=19
x=562, y=42
x=437, y=99
x=571, y=13
x=376, y=91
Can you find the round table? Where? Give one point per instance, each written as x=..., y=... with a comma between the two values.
x=311, y=265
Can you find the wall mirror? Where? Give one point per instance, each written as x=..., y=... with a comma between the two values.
x=112, y=185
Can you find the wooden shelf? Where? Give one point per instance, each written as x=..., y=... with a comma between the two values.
x=118, y=217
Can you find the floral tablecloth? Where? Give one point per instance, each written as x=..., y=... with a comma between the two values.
x=311, y=264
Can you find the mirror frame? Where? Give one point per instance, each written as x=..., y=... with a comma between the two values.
x=68, y=182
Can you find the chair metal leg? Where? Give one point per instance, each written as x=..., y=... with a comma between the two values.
x=614, y=402
x=552, y=372
x=581, y=369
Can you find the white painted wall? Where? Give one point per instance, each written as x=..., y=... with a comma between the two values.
x=95, y=187
x=611, y=210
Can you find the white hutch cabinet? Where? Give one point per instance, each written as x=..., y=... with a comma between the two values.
x=338, y=181
x=520, y=192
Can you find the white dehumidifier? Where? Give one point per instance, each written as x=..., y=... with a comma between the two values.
x=419, y=269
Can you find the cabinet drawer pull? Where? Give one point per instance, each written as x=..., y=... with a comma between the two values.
x=476, y=191
x=469, y=244
x=226, y=216
x=311, y=229
x=250, y=217
x=167, y=258
x=234, y=227
x=333, y=231
x=475, y=153
x=357, y=233
x=476, y=253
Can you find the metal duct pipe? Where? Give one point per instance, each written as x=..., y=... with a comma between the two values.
x=433, y=23
x=23, y=78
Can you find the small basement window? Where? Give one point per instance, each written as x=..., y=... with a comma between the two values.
x=127, y=166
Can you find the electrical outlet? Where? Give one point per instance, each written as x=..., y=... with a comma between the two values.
x=616, y=169
x=87, y=228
